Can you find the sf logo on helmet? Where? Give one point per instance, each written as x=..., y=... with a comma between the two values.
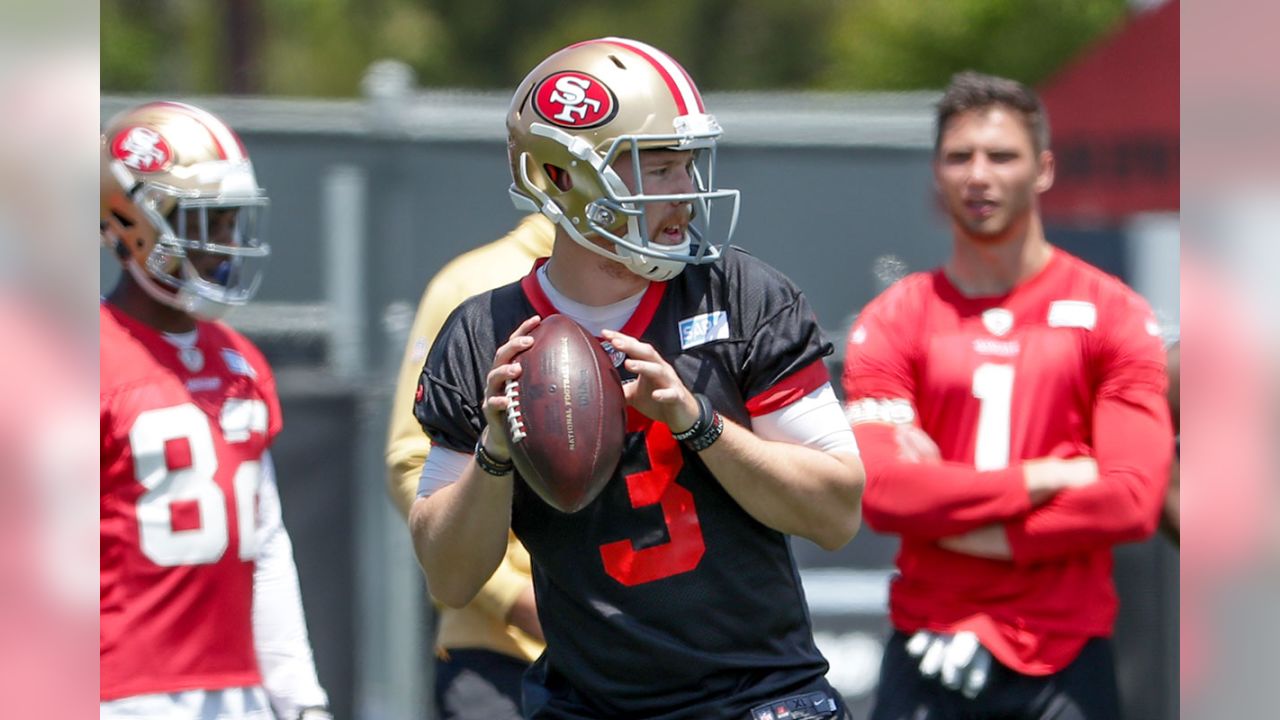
x=142, y=149
x=574, y=100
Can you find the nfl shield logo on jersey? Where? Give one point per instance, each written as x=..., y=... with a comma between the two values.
x=192, y=358
x=997, y=321
x=616, y=356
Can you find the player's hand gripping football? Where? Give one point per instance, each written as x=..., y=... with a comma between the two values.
x=658, y=392
x=496, y=402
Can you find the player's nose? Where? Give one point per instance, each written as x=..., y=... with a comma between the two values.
x=979, y=170
x=683, y=183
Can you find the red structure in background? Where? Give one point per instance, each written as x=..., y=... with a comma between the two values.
x=1114, y=114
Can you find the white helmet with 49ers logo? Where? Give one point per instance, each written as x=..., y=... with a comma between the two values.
x=180, y=207
x=577, y=113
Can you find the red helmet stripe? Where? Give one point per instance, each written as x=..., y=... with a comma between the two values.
x=678, y=81
x=696, y=95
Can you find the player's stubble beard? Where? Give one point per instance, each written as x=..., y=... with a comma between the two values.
x=1013, y=216
x=608, y=267
x=617, y=270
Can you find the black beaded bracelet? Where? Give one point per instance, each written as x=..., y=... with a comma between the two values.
x=703, y=422
x=487, y=463
x=701, y=442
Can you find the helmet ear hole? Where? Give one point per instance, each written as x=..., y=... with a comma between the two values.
x=559, y=177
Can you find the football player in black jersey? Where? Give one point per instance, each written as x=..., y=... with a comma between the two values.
x=673, y=595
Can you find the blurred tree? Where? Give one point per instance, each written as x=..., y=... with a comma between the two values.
x=764, y=43
x=318, y=48
x=132, y=45
x=725, y=44
x=322, y=47
x=892, y=45
x=243, y=41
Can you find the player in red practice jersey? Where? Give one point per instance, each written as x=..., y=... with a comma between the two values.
x=201, y=615
x=1011, y=410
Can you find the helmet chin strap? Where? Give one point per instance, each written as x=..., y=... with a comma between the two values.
x=651, y=268
x=204, y=308
x=184, y=299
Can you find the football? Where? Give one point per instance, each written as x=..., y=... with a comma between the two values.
x=567, y=416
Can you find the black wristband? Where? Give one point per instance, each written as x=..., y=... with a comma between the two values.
x=707, y=438
x=701, y=424
x=487, y=463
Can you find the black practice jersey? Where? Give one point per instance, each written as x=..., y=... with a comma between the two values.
x=663, y=598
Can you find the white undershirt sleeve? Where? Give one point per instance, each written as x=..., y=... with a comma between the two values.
x=279, y=626
x=443, y=467
x=815, y=420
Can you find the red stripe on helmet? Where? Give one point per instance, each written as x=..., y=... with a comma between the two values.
x=681, y=106
x=696, y=93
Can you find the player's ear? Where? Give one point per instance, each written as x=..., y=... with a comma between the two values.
x=1044, y=171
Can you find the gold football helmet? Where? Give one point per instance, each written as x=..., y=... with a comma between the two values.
x=576, y=113
x=181, y=207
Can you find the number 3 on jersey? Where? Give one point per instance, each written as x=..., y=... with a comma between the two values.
x=182, y=516
x=684, y=547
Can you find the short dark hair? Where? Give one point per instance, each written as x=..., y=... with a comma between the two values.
x=971, y=90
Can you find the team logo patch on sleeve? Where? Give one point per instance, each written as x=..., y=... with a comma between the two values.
x=1073, y=313
x=702, y=329
x=237, y=364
